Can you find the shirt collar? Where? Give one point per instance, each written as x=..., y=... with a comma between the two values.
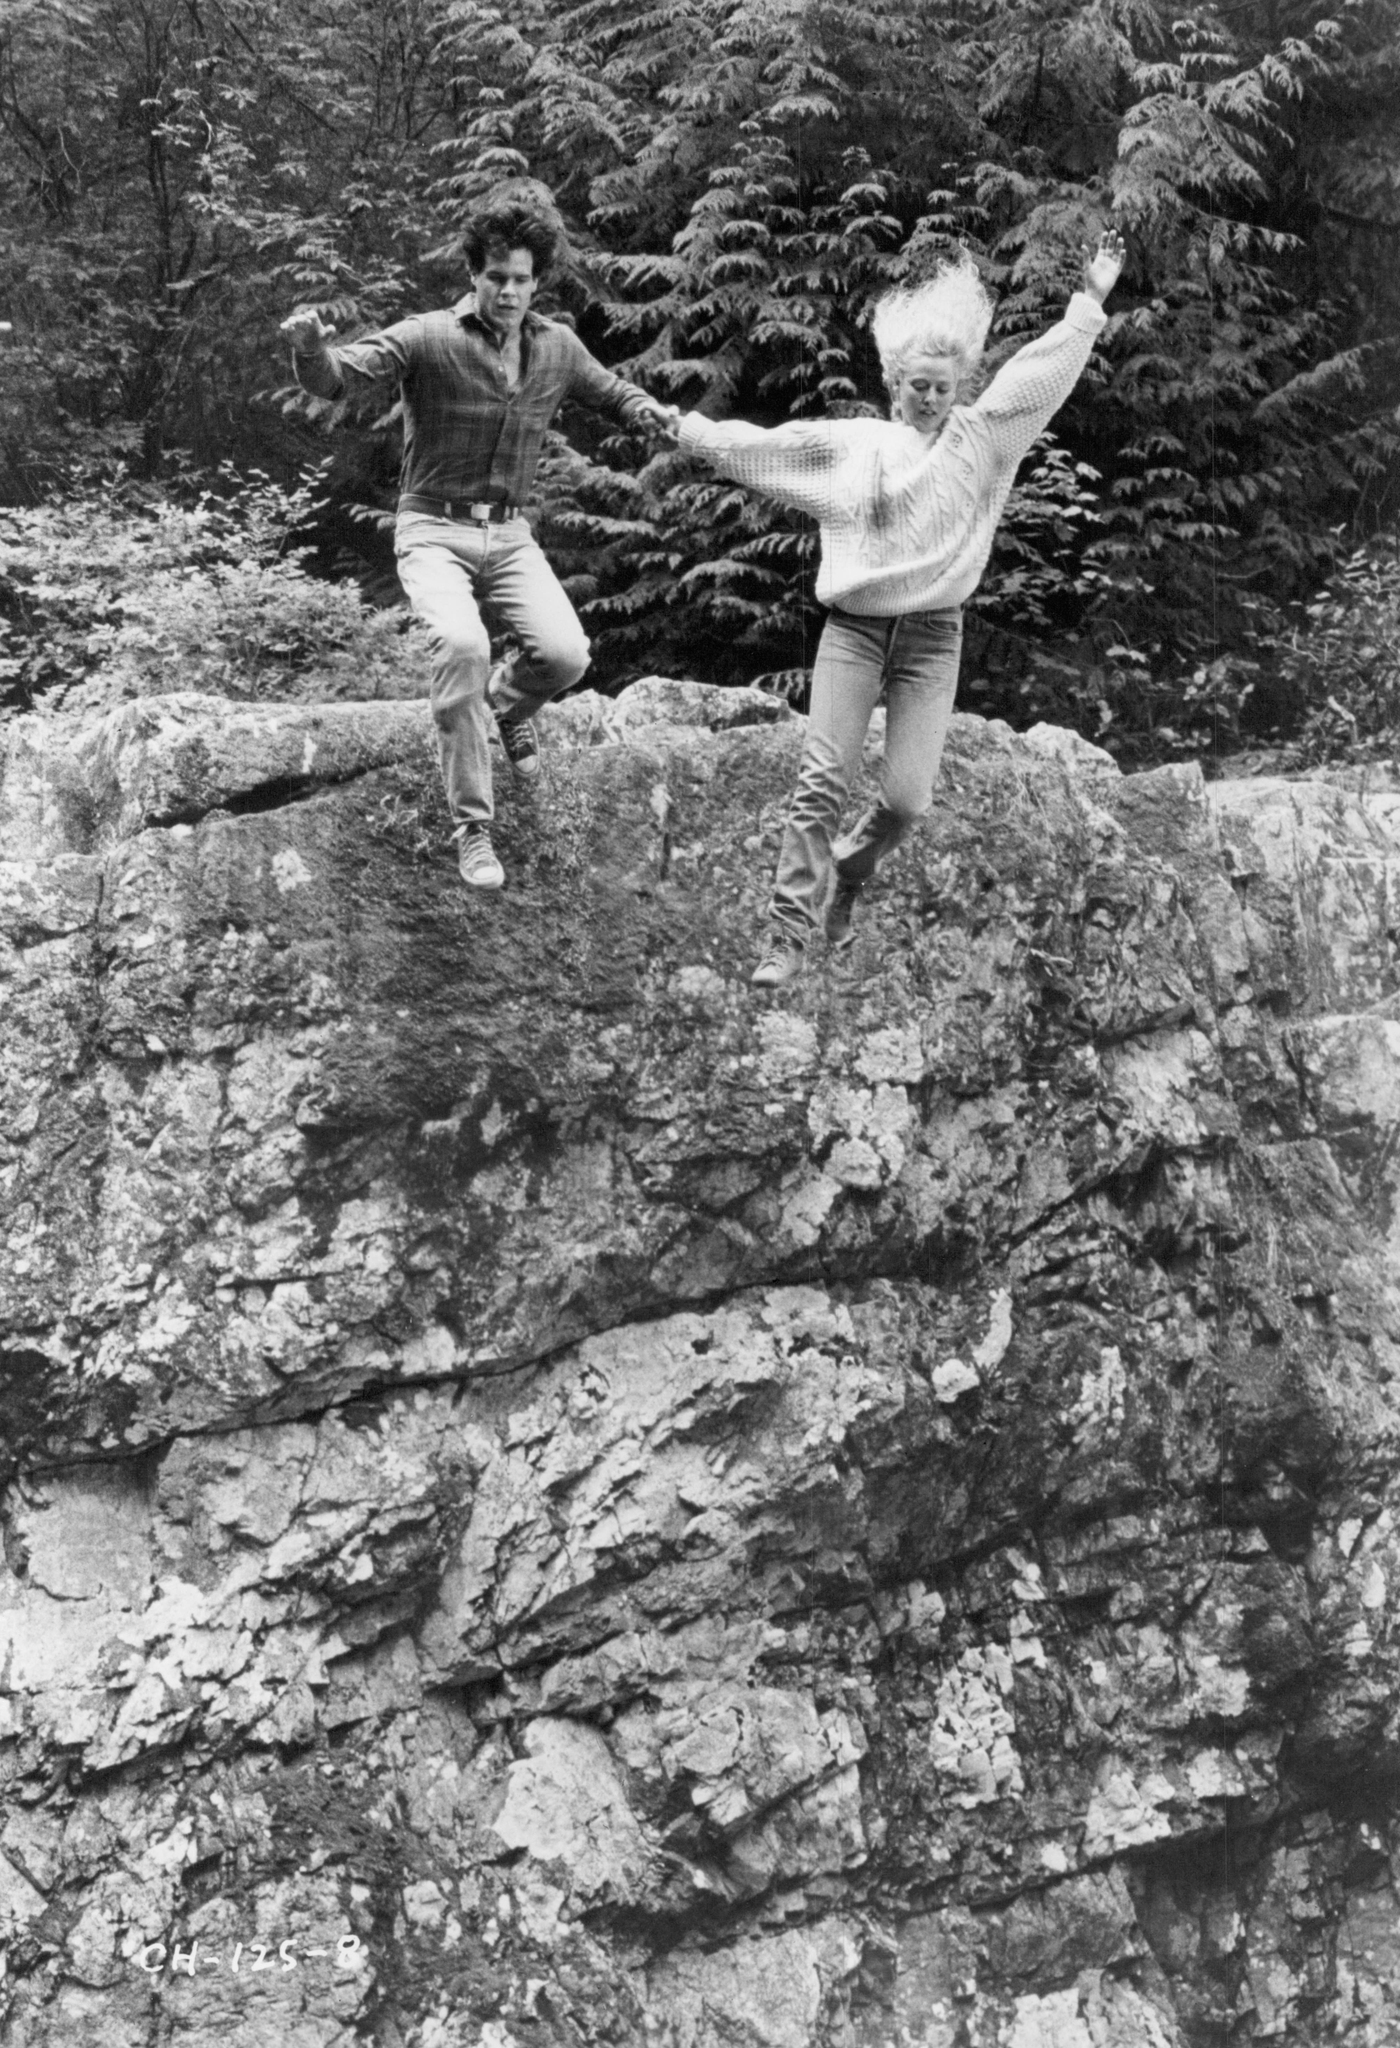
x=465, y=311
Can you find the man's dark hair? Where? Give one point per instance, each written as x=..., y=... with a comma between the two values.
x=510, y=224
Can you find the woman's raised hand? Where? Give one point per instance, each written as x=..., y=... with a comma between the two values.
x=1101, y=269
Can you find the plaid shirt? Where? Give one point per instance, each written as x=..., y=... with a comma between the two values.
x=466, y=437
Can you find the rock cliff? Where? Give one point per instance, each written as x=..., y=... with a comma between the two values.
x=554, y=1499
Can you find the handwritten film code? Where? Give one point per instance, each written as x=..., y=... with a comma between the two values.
x=157, y=1959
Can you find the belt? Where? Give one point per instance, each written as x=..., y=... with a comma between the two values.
x=480, y=512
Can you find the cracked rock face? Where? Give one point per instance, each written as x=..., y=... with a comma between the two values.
x=552, y=1498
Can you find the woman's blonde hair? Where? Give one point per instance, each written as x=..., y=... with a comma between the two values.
x=947, y=315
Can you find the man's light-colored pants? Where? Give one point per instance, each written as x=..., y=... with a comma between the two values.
x=914, y=660
x=447, y=568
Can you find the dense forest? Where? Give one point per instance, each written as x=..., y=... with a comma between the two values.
x=1201, y=555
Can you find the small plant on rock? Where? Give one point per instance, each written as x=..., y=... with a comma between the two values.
x=1341, y=672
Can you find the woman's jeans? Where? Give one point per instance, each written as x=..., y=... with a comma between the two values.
x=914, y=660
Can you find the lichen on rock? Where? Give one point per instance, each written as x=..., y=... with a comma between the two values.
x=554, y=1498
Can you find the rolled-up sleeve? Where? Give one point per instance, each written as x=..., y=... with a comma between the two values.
x=376, y=359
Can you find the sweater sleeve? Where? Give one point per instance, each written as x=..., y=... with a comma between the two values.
x=1029, y=389
x=795, y=463
x=389, y=354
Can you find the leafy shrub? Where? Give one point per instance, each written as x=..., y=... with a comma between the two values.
x=132, y=589
x=675, y=569
x=1340, y=674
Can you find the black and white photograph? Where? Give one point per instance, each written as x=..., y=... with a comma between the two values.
x=699, y=1024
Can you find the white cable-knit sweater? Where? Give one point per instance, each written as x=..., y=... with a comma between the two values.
x=907, y=523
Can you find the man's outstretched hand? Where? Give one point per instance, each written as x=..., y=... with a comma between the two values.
x=660, y=422
x=307, y=333
x=1101, y=270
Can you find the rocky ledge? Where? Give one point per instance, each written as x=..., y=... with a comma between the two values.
x=555, y=1499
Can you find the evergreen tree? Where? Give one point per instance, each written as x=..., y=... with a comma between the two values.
x=741, y=178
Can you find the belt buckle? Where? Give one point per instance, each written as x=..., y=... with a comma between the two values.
x=480, y=513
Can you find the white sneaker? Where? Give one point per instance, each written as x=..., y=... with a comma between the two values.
x=476, y=859
x=782, y=962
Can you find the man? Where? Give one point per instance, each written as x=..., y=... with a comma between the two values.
x=480, y=385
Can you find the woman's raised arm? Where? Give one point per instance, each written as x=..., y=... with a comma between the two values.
x=1029, y=389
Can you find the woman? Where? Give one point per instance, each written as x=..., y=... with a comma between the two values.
x=907, y=508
